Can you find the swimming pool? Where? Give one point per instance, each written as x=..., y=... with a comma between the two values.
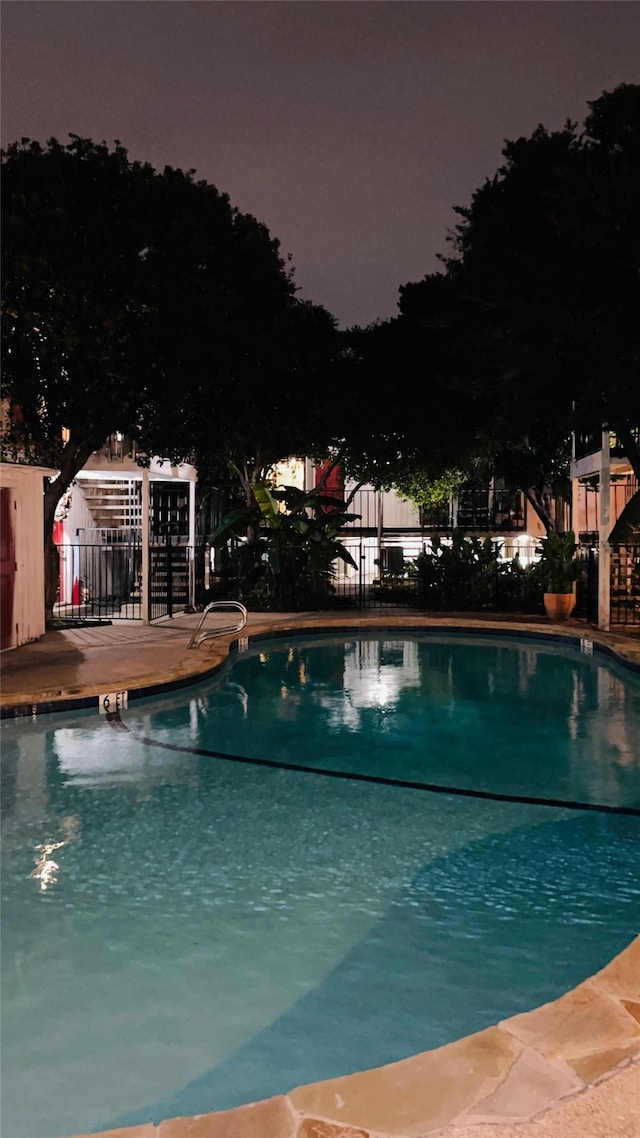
x=183, y=932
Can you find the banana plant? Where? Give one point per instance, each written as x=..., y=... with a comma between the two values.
x=291, y=560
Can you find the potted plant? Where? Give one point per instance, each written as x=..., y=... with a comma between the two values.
x=558, y=570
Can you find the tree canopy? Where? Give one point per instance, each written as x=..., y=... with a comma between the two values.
x=144, y=302
x=272, y=401
x=402, y=412
x=537, y=305
x=548, y=260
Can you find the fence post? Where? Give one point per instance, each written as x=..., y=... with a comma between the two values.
x=146, y=558
x=169, y=572
x=192, y=545
x=592, y=586
x=604, y=555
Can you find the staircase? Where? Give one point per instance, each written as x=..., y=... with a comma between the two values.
x=114, y=505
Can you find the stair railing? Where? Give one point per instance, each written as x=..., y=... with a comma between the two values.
x=199, y=637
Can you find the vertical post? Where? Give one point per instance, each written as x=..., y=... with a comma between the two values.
x=573, y=482
x=604, y=529
x=169, y=564
x=361, y=557
x=380, y=530
x=309, y=474
x=192, y=544
x=145, y=538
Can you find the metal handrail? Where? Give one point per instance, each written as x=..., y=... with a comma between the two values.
x=220, y=606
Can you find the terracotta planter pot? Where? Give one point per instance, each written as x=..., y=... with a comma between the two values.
x=559, y=606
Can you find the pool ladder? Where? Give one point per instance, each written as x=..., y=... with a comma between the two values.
x=218, y=606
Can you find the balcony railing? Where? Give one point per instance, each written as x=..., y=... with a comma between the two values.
x=590, y=442
x=479, y=511
x=117, y=448
x=587, y=442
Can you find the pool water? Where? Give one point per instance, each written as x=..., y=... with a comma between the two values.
x=183, y=933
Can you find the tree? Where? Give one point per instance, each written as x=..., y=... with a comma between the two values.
x=501, y=436
x=276, y=399
x=430, y=492
x=547, y=261
x=132, y=300
x=402, y=415
x=541, y=296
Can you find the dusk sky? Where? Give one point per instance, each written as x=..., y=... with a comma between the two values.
x=349, y=127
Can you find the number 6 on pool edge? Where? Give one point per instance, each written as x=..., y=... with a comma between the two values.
x=112, y=702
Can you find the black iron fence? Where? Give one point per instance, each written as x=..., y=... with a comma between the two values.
x=473, y=578
x=463, y=575
x=625, y=584
x=100, y=581
x=103, y=581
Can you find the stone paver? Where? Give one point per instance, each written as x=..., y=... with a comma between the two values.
x=608, y=1110
x=532, y=1085
x=583, y=1022
x=417, y=1095
x=273, y=1117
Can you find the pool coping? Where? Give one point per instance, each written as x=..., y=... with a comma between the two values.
x=559, y=1058
x=574, y=1061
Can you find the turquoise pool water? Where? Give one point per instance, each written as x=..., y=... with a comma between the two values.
x=182, y=933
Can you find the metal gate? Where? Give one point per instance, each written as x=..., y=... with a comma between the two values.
x=169, y=590
x=168, y=579
x=382, y=578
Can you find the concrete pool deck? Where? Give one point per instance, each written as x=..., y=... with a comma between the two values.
x=570, y=1069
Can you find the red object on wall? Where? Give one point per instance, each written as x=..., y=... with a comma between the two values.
x=334, y=486
x=58, y=539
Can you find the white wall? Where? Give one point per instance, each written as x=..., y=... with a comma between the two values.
x=25, y=484
x=396, y=513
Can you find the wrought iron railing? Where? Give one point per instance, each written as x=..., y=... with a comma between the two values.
x=587, y=442
x=100, y=581
x=118, y=447
x=625, y=584
x=103, y=581
x=590, y=442
x=379, y=576
x=479, y=511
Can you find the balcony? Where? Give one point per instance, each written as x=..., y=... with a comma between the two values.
x=479, y=511
x=117, y=448
x=588, y=448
